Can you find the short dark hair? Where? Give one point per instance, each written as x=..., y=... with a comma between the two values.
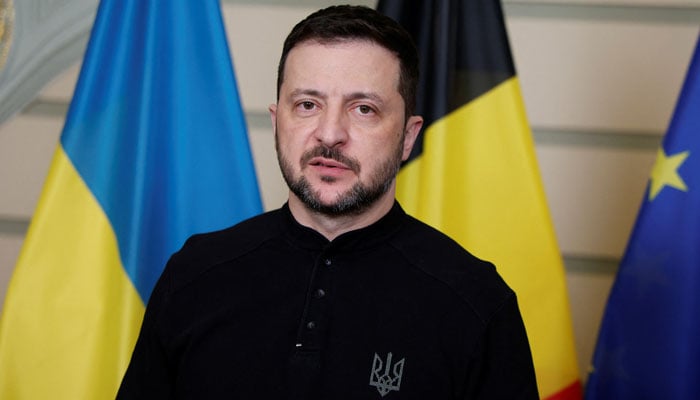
x=338, y=23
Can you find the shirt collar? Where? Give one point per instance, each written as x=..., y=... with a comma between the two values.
x=368, y=236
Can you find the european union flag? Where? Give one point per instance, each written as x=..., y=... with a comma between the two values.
x=649, y=343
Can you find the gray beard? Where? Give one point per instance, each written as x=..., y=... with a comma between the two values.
x=355, y=200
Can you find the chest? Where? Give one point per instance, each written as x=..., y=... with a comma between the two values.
x=323, y=325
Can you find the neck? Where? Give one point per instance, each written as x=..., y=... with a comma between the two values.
x=332, y=226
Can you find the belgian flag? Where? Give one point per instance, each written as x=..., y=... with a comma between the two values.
x=473, y=173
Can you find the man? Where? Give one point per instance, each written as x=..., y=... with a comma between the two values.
x=339, y=294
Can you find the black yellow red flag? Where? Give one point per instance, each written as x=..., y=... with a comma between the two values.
x=473, y=173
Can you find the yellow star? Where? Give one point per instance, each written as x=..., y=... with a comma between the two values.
x=665, y=173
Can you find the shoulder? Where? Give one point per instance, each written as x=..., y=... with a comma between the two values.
x=204, y=251
x=474, y=281
x=228, y=243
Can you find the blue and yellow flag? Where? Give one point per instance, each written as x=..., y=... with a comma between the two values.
x=649, y=342
x=473, y=172
x=154, y=149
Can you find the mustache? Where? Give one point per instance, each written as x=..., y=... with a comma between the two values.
x=332, y=154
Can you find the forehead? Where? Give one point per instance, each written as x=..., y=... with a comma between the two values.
x=342, y=63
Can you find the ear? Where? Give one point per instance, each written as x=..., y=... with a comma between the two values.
x=411, y=132
x=273, y=116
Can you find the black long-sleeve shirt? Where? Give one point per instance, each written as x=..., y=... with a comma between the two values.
x=270, y=309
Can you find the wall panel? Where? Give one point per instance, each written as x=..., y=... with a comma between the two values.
x=594, y=195
x=599, y=78
x=600, y=74
x=26, y=147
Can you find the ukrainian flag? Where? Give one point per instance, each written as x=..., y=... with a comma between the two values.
x=154, y=149
x=473, y=173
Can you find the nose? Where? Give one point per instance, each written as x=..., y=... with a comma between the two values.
x=332, y=129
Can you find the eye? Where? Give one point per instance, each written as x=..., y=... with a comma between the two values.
x=307, y=105
x=365, y=109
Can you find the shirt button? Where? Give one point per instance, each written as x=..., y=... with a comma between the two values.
x=311, y=325
x=327, y=261
x=320, y=293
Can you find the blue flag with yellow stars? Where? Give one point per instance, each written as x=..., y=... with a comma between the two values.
x=649, y=342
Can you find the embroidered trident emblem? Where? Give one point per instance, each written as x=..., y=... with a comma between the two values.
x=385, y=376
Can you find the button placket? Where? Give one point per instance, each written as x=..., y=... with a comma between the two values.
x=315, y=313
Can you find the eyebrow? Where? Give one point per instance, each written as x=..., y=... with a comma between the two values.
x=365, y=95
x=352, y=96
x=307, y=92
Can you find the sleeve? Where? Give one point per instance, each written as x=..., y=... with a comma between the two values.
x=149, y=375
x=502, y=367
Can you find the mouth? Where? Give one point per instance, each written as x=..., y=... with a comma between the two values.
x=327, y=163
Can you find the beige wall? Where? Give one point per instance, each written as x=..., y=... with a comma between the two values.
x=600, y=79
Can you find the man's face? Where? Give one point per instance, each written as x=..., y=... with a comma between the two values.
x=339, y=125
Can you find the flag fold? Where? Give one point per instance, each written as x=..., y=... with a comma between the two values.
x=649, y=341
x=154, y=149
